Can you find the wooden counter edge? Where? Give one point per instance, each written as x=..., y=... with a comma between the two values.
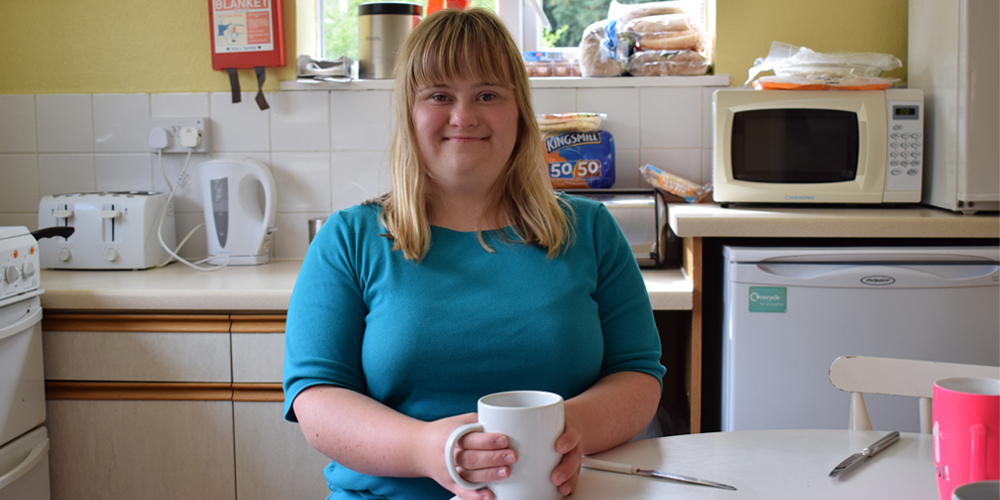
x=692, y=263
x=163, y=391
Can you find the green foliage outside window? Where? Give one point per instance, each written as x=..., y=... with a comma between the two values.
x=340, y=25
x=571, y=18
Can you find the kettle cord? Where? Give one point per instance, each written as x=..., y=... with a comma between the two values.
x=181, y=179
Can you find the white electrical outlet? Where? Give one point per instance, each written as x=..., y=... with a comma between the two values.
x=173, y=128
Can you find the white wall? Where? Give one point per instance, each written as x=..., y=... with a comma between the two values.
x=327, y=149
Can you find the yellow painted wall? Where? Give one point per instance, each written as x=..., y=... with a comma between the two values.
x=97, y=46
x=747, y=27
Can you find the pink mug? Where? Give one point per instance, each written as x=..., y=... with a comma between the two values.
x=966, y=416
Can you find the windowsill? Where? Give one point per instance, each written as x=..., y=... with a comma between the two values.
x=538, y=83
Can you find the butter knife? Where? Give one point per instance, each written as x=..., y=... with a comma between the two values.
x=870, y=451
x=593, y=463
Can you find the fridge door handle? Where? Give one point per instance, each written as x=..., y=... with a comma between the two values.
x=929, y=274
x=37, y=454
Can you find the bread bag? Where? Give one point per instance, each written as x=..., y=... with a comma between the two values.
x=602, y=51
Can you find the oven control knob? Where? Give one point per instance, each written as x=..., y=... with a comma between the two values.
x=11, y=274
x=28, y=270
x=111, y=255
x=65, y=255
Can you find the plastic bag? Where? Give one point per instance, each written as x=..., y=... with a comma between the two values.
x=667, y=63
x=602, y=52
x=666, y=32
x=690, y=191
x=800, y=83
x=570, y=122
x=580, y=160
x=791, y=61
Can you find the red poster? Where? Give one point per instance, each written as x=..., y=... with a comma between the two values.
x=246, y=33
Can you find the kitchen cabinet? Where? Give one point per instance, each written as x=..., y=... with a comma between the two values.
x=134, y=348
x=172, y=406
x=273, y=458
x=154, y=450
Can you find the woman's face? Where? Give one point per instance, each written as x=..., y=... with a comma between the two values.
x=466, y=132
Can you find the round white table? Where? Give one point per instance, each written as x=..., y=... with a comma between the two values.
x=768, y=465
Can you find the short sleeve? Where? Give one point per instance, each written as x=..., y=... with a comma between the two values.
x=631, y=340
x=326, y=315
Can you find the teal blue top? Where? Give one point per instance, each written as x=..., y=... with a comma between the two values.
x=430, y=339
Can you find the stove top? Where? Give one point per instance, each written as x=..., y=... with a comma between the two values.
x=19, y=263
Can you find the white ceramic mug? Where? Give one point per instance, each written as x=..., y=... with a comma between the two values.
x=532, y=422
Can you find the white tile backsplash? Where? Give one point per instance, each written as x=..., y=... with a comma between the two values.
x=238, y=126
x=670, y=117
x=17, y=124
x=121, y=123
x=361, y=120
x=553, y=100
x=180, y=105
x=125, y=172
x=66, y=173
x=65, y=123
x=328, y=150
x=196, y=246
x=19, y=190
x=303, y=181
x=292, y=240
x=357, y=176
x=627, y=169
x=622, y=109
x=300, y=121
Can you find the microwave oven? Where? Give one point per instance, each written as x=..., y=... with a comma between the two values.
x=818, y=146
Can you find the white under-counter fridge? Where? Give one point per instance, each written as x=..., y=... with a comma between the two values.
x=789, y=312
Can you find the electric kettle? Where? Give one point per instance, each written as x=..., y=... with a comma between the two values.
x=237, y=222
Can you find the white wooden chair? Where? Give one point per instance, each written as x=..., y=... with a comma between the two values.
x=897, y=377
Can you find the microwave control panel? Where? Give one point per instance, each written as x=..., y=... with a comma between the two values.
x=904, y=170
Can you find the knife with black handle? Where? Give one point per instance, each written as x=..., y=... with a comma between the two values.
x=870, y=451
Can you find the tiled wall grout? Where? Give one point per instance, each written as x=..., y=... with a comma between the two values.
x=297, y=138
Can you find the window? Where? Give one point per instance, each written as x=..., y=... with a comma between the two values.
x=339, y=25
x=569, y=19
x=329, y=28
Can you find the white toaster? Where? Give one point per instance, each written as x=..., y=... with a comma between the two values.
x=114, y=230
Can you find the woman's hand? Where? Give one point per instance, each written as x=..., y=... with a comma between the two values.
x=482, y=457
x=570, y=446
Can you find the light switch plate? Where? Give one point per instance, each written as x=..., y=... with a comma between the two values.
x=173, y=127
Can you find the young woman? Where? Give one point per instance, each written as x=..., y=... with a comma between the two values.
x=471, y=276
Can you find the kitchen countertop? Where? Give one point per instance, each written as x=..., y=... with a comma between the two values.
x=711, y=220
x=265, y=288
x=268, y=288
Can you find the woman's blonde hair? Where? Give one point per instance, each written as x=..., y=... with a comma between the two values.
x=472, y=44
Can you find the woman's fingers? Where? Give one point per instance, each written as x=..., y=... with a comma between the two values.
x=477, y=459
x=483, y=441
x=567, y=473
x=484, y=457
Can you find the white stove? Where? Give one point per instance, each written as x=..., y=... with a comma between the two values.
x=24, y=442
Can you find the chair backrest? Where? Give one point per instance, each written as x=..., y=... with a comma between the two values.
x=897, y=377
